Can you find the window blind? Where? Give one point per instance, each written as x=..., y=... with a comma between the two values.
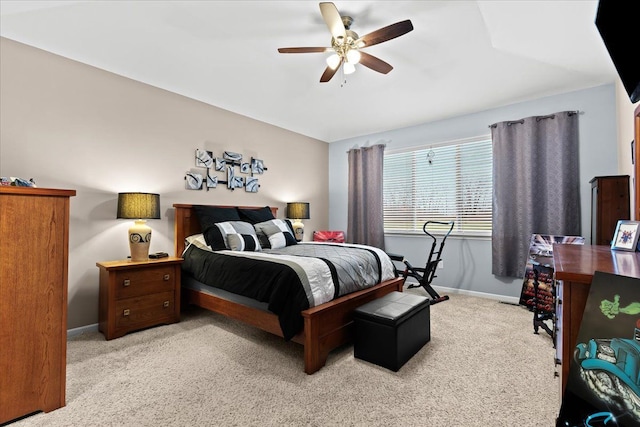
x=450, y=181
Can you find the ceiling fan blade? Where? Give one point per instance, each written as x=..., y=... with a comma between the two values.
x=387, y=33
x=330, y=72
x=333, y=19
x=303, y=49
x=376, y=64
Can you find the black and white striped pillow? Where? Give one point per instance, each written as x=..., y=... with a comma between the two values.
x=243, y=242
x=244, y=236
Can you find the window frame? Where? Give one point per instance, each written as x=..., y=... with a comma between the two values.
x=457, y=232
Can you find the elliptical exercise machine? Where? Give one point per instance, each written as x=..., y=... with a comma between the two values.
x=425, y=275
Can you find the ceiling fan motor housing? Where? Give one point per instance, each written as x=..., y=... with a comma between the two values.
x=343, y=45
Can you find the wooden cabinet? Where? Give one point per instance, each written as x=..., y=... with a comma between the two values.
x=609, y=203
x=34, y=248
x=137, y=295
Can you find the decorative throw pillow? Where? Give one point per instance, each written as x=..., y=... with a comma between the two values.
x=243, y=242
x=255, y=216
x=209, y=216
x=218, y=236
x=290, y=227
x=275, y=234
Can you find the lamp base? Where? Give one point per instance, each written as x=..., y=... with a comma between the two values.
x=139, y=240
x=298, y=229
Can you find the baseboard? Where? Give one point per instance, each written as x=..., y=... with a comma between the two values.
x=81, y=330
x=502, y=298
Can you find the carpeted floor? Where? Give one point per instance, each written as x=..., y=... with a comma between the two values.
x=483, y=367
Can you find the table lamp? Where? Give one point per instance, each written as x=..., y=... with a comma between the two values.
x=139, y=206
x=298, y=211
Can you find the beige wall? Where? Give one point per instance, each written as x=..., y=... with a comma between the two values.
x=69, y=125
x=624, y=112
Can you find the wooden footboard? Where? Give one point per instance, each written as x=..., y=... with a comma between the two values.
x=330, y=325
x=326, y=326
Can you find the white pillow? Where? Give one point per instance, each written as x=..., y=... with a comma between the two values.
x=198, y=240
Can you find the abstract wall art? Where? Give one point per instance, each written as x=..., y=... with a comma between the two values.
x=230, y=164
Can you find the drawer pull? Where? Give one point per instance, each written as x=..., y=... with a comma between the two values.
x=126, y=282
x=166, y=304
x=126, y=312
x=166, y=277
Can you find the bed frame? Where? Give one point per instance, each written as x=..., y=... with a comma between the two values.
x=326, y=326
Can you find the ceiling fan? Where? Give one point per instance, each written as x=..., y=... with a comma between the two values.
x=346, y=45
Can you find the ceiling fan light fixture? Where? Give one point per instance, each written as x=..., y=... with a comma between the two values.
x=353, y=56
x=346, y=44
x=333, y=61
x=349, y=68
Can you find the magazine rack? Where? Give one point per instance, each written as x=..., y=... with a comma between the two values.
x=538, y=287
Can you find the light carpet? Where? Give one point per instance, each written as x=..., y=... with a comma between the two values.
x=482, y=367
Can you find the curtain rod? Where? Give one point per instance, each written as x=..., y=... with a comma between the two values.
x=368, y=145
x=538, y=118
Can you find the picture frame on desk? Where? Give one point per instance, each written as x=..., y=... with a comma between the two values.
x=625, y=237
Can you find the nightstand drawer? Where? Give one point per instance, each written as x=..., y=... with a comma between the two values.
x=132, y=283
x=147, y=309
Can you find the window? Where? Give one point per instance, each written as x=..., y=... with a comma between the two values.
x=444, y=182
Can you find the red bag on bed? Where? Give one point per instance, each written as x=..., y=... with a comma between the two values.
x=328, y=236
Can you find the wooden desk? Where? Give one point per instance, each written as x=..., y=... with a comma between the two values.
x=574, y=266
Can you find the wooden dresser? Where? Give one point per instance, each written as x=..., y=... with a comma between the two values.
x=138, y=294
x=609, y=203
x=34, y=248
x=574, y=268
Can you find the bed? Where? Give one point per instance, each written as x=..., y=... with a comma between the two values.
x=325, y=326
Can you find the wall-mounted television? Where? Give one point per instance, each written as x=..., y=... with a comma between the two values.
x=618, y=22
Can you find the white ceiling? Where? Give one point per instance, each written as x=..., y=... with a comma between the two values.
x=461, y=57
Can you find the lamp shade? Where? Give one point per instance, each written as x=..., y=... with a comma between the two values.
x=298, y=210
x=138, y=206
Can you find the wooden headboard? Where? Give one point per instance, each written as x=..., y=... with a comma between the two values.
x=187, y=224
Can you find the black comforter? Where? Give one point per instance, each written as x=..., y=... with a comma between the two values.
x=291, y=279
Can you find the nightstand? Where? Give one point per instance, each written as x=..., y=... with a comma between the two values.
x=138, y=294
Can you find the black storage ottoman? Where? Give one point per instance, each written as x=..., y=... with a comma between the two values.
x=391, y=329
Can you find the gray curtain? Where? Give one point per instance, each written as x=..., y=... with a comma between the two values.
x=365, y=218
x=536, y=186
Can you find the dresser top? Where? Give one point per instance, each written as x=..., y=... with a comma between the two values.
x=36, y=191
x=579, y=262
